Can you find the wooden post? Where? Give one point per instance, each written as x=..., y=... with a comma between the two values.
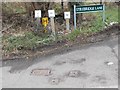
x=37, y=23
x=67, y=25
x=53, y=25
x=52, y=15
x=67, y=18
x=37, y=16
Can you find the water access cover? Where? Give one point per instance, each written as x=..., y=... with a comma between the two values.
x=41, y=72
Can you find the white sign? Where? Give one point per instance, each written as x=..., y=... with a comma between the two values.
x=67, y=15
x=51, y=13
x=37, y=13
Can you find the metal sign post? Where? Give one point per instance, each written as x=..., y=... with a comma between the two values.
x=103, y=15
x=87, y=9
x=75, y=17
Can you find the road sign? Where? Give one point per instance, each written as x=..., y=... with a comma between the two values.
x=67, y=15
x=88, y=9
x=37, y=13
x=51, y=13
x=85, y=9
x=45, y=21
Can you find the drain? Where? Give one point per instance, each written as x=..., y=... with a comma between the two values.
x=77, y=73
x=41, y=72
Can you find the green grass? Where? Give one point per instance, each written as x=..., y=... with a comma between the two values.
x=111, y=14
x=72, y=36
x=28, y=41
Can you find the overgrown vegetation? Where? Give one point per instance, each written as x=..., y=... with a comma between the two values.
x=12, y=8
x=29, y=40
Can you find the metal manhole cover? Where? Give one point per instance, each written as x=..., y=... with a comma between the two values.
x=41, y=72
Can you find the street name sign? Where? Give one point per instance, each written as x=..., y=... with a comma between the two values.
x=88, y=9
x=85, y=9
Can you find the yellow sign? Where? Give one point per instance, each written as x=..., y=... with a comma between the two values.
x=45, y=21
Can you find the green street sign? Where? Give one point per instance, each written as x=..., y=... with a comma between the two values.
x=88, y=9
x=92, y=8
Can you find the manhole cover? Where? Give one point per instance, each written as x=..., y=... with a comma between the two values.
x=77, y=73
x=41, y=72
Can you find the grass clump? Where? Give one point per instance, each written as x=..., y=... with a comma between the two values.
x=28, y=41
x=73, y=35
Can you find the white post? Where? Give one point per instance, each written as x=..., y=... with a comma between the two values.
x=103, y=15
x=75, y=17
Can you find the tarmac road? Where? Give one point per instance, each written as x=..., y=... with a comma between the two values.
x=86, y=67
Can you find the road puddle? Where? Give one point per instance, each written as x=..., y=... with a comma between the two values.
x=77, y=73
x=55, y=80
